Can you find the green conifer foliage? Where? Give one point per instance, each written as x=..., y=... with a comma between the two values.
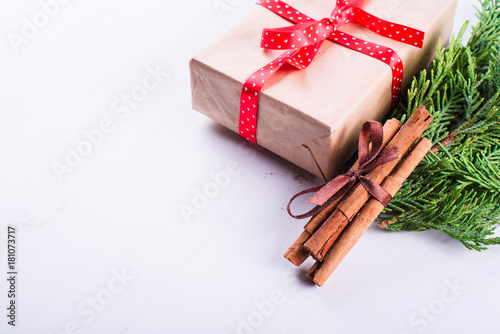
x=457, y=190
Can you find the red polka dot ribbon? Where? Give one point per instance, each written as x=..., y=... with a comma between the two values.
x=302, y=41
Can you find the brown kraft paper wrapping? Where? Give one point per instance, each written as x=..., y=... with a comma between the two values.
x=312, y=117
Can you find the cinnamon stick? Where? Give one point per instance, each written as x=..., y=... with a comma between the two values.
x=297, y=254
x=321, y=241
x=320, y=272
x=435, y=149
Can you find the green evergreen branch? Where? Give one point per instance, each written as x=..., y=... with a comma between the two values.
x=457, y=190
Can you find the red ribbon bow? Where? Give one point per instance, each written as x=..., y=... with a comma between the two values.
x=342, y=184
x=303, y=40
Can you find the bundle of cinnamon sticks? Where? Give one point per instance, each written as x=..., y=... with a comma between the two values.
x=332, y=233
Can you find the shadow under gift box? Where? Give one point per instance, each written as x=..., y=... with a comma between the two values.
x=312, y=117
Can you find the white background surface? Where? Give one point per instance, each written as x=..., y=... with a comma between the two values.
x=118, y=211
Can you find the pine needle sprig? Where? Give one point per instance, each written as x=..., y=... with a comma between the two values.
x=457, y=190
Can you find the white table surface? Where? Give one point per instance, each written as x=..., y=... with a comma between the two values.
x=104, y=248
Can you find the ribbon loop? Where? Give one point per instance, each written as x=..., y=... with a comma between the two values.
x=296, y=37
x=371, y=132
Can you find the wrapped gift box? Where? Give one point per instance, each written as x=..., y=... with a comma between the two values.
x=312, y=117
